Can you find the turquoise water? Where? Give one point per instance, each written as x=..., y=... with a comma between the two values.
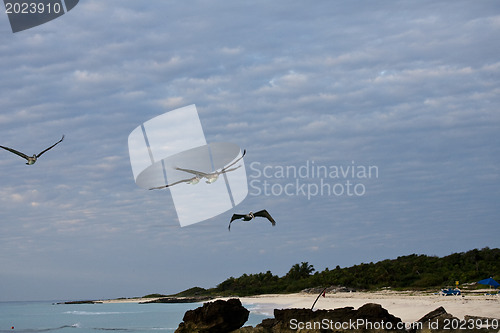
x=33, y=317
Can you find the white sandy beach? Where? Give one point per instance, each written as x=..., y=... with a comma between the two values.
x=409, y=306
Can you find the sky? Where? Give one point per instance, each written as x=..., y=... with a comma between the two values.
x=408, y=90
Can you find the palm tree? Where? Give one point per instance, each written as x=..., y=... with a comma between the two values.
x=301, y=271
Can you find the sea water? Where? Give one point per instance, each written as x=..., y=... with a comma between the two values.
x=33, y=317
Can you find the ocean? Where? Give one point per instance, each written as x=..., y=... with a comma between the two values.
x=33, y=317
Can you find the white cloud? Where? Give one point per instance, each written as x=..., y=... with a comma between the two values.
x=413, y=91
x=231, y=50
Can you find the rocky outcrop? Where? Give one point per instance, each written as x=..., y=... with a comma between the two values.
x=440, y=321
x=193, y=299
x=224, y=317
x=214, y=317
x=368, y=318
x=78, y=302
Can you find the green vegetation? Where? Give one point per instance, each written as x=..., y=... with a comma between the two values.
x=195, y=291
x=414, y=271
x=154, y=296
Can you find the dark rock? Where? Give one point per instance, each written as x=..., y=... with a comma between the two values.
x=368, y=318
x=194, y=299
x=467, y=317
x=486, y=322
x=376, y=313
x=248, y=329
x=267, y=324
x=440, y=321
x=433, y=314
x=434, y=321
x=214, y=317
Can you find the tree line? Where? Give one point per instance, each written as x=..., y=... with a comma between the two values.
x=406, y=272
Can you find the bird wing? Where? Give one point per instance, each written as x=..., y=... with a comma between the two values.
x=264, y=213
x=207, y=175
x=40, y=154
x=224, y=169
x=234, y=217
x=158, y=187
x=228, y=170
x=175, y=183
x=16, y=152
x=194, y=172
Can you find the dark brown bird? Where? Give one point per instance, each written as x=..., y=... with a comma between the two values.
x=251, y=216
x=31, y=159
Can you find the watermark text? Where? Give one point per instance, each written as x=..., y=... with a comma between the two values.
x=311, y=179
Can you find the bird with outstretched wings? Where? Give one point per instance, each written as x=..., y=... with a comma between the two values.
x=250, y=216
x=198, y=175
x=31, y=159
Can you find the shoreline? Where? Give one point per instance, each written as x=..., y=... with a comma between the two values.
x=410, y=306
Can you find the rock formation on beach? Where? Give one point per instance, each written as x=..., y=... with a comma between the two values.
x=214, y=317
x=368, y=318
x=193, y=299
x=229, y=316
x=440, y=321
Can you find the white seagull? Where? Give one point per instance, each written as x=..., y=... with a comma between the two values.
x=250, y=216
x=31, y=159
x=198, y=175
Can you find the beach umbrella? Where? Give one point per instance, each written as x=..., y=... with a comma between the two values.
x=489, y=282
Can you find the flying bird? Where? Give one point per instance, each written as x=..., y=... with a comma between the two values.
x=31, y=159
x=250, y=216
x=198, y=175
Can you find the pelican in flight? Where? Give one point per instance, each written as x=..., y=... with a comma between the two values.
x=198, y=175
x=250, y=216
x=31, y=159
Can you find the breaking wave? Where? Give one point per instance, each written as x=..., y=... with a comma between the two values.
x=261, y=309
x=36, y=330
x=95, y=313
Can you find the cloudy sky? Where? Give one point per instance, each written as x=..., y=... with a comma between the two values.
x=409, y=88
